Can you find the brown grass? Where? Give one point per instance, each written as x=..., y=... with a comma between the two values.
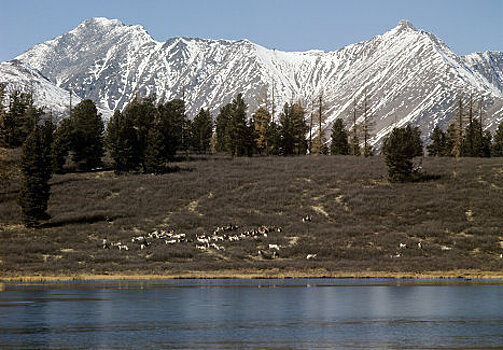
x=359, y=219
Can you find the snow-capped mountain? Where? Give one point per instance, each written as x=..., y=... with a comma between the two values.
x=409, y=75
x=22, y=77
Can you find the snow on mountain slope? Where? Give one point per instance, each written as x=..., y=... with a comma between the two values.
x=489, y=65
x=22, y=77
x=410, y=75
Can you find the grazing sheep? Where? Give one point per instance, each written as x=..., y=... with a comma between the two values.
x=203, y=240
x=445, y=248
x=306, y=218
x=403, y=246
x=311, y=256
x=419, y=245
x=274, y=246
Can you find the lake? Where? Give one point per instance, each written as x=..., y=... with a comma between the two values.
x=260, y=314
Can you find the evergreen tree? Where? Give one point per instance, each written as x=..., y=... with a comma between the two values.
x=451, y=138
x=202, y=129
x=475, y=143
x=487, y=144
x=30, y=117
x=339, y=138
x=141, y=113
x=61, y=145
x=17, y=123
x=121, y=140
x=36, y=172
x=261, y=121
x=250, y=138
x=156, y=150
x=438, y=146
x=223, y=119
x=236, y=129
x=399, y=149
x=273, y=139
x=87, y=135
x=293, y=130
x=418, y=143
x=175, y=127
x=497, y=147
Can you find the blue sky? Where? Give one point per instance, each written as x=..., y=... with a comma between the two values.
x=292, y=25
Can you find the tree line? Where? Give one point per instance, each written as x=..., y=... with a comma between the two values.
x=146, y=136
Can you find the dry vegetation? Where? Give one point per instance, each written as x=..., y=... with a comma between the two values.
x=358, y=218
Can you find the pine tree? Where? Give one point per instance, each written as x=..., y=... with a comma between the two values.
x=418, y=143
x=451, y=138
x=223, y=119
x=61, y=145
x=497, y=147
x=273, y=139
x=202, y=130
x=438, y=146
x=339, y=138
x=293, y=130
x=36, y=172
x=487, y=144
x=30, y=117
x=87, y=135
x=17, y=123
x=475, y=143
x=236, y=129
x=121, y=140
x=261, y=121
x=156, y=150
x=141, y=113
x=399, y=149
x=174, y=126
x=250, y=138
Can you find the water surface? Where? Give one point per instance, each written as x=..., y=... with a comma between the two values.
x=261, y=314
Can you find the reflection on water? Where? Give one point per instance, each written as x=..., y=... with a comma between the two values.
x=229, y=314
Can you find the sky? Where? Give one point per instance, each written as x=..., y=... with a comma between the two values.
x=289, y=25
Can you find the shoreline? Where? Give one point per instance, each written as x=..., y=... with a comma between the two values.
x=254, y=274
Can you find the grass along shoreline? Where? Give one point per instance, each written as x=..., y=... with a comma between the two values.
x=257, y=274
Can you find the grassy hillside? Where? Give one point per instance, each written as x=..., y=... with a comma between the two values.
x=358, y=221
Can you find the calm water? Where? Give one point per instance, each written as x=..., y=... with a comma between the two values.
x=261, y=314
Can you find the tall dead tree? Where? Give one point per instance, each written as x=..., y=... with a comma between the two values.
x=367, y=126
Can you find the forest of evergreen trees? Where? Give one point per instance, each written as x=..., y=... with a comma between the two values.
x=146, y=136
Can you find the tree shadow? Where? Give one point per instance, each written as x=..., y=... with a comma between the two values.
x=85, y=219
x=426, y=177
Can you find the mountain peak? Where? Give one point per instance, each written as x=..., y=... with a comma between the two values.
x=102, y=21
x=403, y=23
